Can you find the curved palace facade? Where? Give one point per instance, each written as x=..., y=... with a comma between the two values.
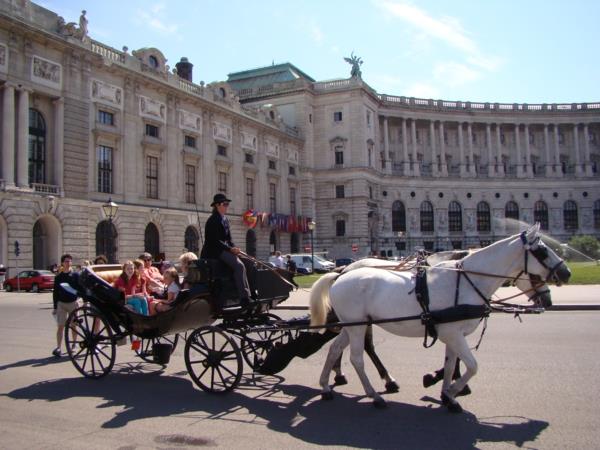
x=83, y=122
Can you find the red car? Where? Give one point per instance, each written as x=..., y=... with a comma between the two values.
x=31, y=280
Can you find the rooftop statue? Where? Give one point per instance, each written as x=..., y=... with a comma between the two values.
x=356, y=62
x=70, y=29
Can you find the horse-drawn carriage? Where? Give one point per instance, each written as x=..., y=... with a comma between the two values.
x=219, y=333
x=224, y=333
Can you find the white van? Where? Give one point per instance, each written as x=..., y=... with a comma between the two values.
x=304, y=260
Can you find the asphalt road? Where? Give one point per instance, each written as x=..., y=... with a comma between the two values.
x=537, y=387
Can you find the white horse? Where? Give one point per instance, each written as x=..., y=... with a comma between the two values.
x=371, y=294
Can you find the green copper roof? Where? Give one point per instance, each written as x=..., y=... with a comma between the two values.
x=277, y=73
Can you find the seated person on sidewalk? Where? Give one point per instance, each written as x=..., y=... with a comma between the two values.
x=131, y=284
x=218, y=245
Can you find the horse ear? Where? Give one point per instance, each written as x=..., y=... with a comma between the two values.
x=533, y=231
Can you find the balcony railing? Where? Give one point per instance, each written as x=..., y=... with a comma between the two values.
x=41, y=188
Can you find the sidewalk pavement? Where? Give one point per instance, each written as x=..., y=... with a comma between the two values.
x=582, y=297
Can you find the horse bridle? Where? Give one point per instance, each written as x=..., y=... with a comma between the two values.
x=540, y=252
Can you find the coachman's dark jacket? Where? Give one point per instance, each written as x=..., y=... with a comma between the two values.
x=217, y=235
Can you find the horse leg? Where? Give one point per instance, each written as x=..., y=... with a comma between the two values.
x=429, y=379
x=334, y=355
x=390, y=384
x=340, y=379
x=457, y=344
x=357, y=341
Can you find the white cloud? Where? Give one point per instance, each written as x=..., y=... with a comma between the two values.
x=151, y=18
x=421, y=90
x=315, y=32
x=455, y=74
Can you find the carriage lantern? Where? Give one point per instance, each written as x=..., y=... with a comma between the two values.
x=311, y=227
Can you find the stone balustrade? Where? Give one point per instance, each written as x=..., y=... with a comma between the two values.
x=41, y=188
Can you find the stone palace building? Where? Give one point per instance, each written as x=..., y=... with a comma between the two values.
x=84, y=123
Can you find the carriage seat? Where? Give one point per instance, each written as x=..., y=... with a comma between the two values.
x=108, y=272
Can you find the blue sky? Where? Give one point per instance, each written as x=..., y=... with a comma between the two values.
x=525, y=51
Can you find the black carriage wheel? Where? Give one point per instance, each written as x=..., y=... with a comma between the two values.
x=257, y=343
x=145, y=351
x=213, y=360
x=90, y=342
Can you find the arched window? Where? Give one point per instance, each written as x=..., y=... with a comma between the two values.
x=426, y=214
x=192, y=240
x=597, y=214
x=454, y=216
x=37, y=147
x=106, y=240
x=540, y=214
x=570, y=220
x=294, y=243
x=251, y=243
x=398, y=216
x=483, y=217
x=511, y=212
x=153, y=61
x=151, y=240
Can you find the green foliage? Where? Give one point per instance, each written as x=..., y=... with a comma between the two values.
x=306, y=281
x=588, y=245
x=584, y=273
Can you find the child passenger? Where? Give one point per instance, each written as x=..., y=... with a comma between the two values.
x=171, y=278
x=130, y=283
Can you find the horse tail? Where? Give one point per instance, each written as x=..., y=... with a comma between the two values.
x=319, y=299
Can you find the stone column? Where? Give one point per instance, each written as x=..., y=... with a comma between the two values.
x=500, y=166
x=518, y=148
x=434, y=166
x=59, y=141
x=8, y=135
x=386, y=144
x=528, y=165
x=443, y=151
x=488, y=138
x=578, y=165
x=405, y=149
x=413, y=133
x=461, y=150
x=471, y=169
x=557, y=165
x=23, y=139
x=586, y=147
x=549, y=166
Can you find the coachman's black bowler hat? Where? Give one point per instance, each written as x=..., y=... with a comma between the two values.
x=219, y=198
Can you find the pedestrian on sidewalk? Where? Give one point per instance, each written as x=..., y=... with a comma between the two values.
x=64, y=298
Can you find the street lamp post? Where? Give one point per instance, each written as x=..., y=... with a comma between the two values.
x=311, y=227
x=110, y=210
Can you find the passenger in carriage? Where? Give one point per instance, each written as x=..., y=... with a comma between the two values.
x=184, y=262
x=171, y=277
x=218, y=245
x=154, y=280
x=132, y=285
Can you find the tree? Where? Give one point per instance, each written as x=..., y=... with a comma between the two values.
x=588, y=245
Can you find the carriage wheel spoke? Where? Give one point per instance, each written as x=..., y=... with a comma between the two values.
x=199, y=350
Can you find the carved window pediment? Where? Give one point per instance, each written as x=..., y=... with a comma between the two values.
x=292, y=156
x=190, y=121
x=249, y=141
x=272, y=149
x=106, y=93
x=222, y=132
x=153, y=109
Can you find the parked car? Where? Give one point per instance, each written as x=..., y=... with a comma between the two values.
x=343, y=262
x=304, y=263
x=30, y=280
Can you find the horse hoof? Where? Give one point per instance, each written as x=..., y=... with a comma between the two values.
x=327, y=395
x=465, y=391
x=340, y=380
x=454, y=408
x=428, y=380
x=445, y=399
x=379, y=403
x=391, y=387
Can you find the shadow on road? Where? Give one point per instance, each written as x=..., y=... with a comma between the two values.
x=292, y=409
